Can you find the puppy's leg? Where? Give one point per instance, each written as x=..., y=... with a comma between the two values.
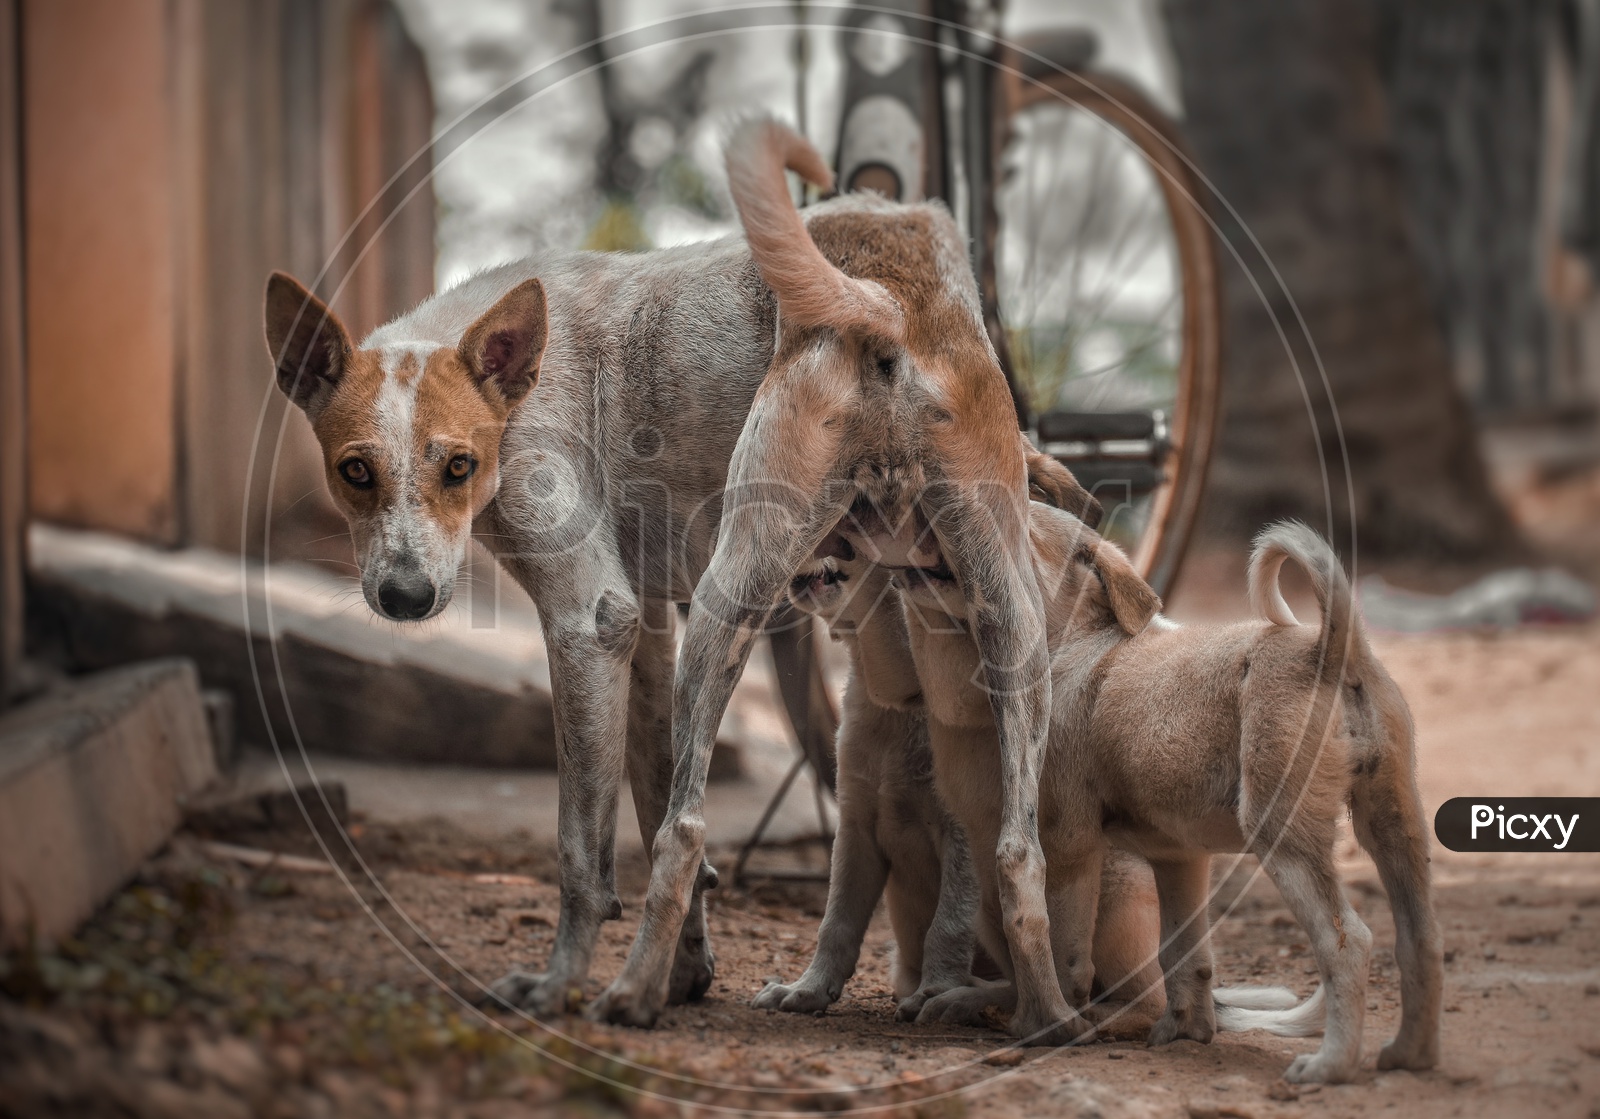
x=1389, y=823
x=650, y=776
x=1183, y=887
x=1127, y=938
x=768, y=529
x=590, y=627
x=854, y=886
x=1073, y=898
x=947, y=946
x=1341, y=944
x=983, y=533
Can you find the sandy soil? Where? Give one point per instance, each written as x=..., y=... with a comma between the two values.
x=290, y=993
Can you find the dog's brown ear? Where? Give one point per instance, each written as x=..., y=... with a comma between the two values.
x=1131, y=599
x=504, y=347
x=309, y=345
x=1054, y=484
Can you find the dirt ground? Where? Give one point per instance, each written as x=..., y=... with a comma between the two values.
x=209, y=988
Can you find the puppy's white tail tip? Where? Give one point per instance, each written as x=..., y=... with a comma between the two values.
x=1274, y=1009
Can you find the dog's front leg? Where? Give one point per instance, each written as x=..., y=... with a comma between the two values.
x=1183, y=886
x=854, y=885
x=589, y=635
x=650, y=777
x=947, y=948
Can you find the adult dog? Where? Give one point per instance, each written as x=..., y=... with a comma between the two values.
x=603, y=494
x=1176, y=742
x=885, y=406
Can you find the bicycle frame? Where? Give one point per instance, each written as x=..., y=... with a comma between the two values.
x=912, y=68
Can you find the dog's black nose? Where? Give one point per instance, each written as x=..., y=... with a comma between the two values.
x=405, y=600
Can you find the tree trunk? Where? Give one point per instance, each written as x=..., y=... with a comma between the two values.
x=1286, y=112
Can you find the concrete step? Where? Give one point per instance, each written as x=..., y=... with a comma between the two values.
x=94, y=776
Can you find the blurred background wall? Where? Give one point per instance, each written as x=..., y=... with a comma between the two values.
x=173, y=152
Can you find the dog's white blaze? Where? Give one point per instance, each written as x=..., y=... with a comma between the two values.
x=401, y=528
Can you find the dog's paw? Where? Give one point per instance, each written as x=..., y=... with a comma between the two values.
x=538, y=993
x=693, y=970
x=1037, y=1029
x=963, y=1006
x=792, y=998
x=910, y=1007
x=1403, y=1055
x=1185, y=1025
x=1316, y=1068
x=622, y=1005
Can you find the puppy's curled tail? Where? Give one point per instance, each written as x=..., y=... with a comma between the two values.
x=1343, y=641
x=1274, y=1009
x=811, y=290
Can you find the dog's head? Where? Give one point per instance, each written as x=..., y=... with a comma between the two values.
x=410, y=432
x=1088, y=584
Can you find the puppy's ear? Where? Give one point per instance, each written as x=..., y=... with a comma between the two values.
x=1132, y=601
x=1054, y=484
x=503, y=348
x=309, y=345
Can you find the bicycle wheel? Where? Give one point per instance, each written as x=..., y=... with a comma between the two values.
x=1105, y=290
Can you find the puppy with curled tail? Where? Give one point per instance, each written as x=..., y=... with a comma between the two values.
x=1177, y=742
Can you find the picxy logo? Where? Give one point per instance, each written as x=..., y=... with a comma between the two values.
x=1519, y=824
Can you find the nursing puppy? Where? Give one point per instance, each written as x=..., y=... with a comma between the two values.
x=1177, y=742
x=895, y=837
x=884, y=406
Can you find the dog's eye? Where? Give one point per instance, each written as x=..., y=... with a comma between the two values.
x=886, y=365
x=459, y=469
x=354, y=471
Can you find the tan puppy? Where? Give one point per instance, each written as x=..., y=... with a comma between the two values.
x=896, y=838
x=1179, y=742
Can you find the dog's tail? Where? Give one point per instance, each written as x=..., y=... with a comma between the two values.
x=811, y=291
x=1274, y=1009
x=1343, y=640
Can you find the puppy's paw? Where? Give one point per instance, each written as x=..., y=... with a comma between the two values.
x=538, y=993
x=1317, y=1068
x=1403, y=1054
x=622, y=1005
x=793, y=998
x=693, y=970
x=911, y=1006
x=1185, y=1024
x=1074, y=1029
x=963, y=1006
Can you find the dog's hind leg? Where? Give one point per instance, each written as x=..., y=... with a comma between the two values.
x=1342, y=945
x=768, y=529
x=982, y=530
x=1183, y=886
x=591, y=624
x=650, y=777
x=1389, y=823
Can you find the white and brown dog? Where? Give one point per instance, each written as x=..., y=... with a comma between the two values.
x=692, y=438
x=1177, y=742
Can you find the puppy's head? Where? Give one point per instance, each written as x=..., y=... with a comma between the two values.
x=410, y=432
x=854, y=597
